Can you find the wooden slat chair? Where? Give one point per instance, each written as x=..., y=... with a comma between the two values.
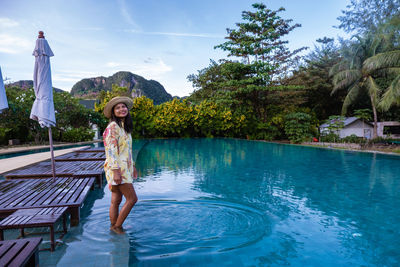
x=90, y=150
x=43, y=193
x=21, y=252
x=36, y=217
x=74, y=156
x=76, y=169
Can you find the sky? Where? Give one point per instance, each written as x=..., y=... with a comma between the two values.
x=162, y=40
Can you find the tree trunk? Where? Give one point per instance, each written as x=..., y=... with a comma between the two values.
x=375, y=132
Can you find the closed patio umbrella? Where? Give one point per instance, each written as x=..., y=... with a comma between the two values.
x=3, y=97
x=43, y=107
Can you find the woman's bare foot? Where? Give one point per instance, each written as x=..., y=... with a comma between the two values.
x=117, y=229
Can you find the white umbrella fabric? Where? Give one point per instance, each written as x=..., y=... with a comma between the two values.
x=43, y=107
x=3, y=97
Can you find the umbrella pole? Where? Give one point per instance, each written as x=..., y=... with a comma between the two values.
x=52, y=155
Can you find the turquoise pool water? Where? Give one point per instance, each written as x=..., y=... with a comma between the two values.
x=38, y=150
x=218, y=202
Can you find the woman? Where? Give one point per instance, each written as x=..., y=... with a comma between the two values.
x=119, y=165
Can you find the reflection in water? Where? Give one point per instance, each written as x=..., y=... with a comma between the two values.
x=322, y=205
x=202, y=226
x=119, y=254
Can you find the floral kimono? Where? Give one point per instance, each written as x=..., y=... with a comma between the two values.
x=118, y=148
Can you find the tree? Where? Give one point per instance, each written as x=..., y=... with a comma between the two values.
x=388, y=64
x=15, y=120
x=211, y=119
x=142, y=113
x=374, y=55
x=363, y=114
x=262, y=58
x=223, y=82
x=315, y=84
x=335, y=124
x=71, y=118
x=174, y=119
x=365, y=16
x=298, y=127
x=258, y=41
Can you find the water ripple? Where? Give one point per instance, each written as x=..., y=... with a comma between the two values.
x=163, y=228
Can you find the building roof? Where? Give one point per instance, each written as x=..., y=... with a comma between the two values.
x=346, y=121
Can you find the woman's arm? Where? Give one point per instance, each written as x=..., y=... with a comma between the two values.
x=111, y=136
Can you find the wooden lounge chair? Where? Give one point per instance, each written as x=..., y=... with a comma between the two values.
x=43, y=193
x=90, y=156
x=37, y=217
x=90, y=150
x=21, y=252
x=76, y=169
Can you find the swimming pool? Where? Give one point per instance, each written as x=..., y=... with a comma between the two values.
x=33, y=150
x=245, y=203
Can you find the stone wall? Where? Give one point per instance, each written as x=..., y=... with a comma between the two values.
x=341, y=145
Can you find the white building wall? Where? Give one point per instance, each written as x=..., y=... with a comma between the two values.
x=381, y=125
x=356, y=128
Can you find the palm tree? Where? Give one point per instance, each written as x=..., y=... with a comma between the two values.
x=372, y=56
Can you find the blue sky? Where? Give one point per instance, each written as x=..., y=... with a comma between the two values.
x=163, y=40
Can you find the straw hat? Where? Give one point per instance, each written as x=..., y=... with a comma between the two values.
x=116, y=100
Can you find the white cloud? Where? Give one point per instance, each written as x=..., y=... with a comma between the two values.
x=151, y=69
x=201, y=35
x=72, y=76
x=77, y=73
x=13, y=44
x=177, y=34
x=113, y=64
x=61, y=78
x=93, y=29
x=126, y=15
x=8, y=23
x=96, y=29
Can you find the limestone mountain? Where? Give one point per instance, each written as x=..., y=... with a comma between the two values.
x=27, y=84
x=138, y=86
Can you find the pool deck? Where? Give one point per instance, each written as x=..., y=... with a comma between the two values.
x=13, y=163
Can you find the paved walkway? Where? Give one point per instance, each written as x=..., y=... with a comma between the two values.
x=9, y=164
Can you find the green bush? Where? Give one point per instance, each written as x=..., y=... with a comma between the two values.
x=4, y=135
x=265, y=131
x=353, y=139
x=16, y=124
x=174, y=119
x=142, y=113
x=298, y=127
x=330, y=137
x=78, y=135
x=384, y=141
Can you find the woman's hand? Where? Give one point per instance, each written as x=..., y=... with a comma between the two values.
x=135, y=174
x=117, y=176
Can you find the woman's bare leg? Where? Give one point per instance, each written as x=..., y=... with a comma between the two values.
x=116, y=198
x=130, y=200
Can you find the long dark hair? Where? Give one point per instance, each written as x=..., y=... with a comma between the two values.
x=128, y=124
